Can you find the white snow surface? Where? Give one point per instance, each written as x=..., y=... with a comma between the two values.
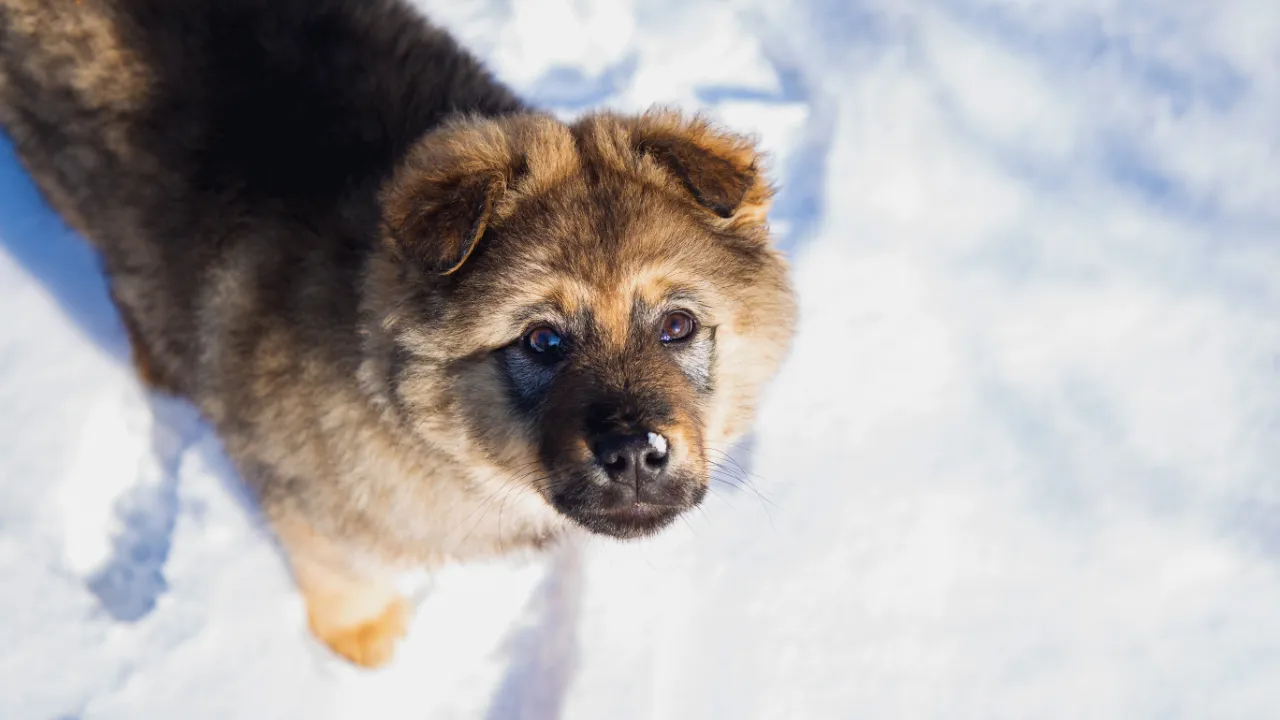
x=1024, y=461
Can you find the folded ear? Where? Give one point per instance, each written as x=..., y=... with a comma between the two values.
x=437, y=222
x=719, y=169
x=448, y=189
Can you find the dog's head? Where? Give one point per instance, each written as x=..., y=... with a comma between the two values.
x=592, y=307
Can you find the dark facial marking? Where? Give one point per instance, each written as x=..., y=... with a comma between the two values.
x=528, y=377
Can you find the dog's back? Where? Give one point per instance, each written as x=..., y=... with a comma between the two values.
x=158, y=128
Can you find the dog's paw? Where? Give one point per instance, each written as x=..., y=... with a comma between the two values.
x=371, y=643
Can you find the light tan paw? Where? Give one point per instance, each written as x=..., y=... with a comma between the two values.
x=371, y=643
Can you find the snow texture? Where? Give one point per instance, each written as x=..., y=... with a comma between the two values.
x=1023, y=462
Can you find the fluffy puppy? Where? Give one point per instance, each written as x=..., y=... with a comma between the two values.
x=427, y=321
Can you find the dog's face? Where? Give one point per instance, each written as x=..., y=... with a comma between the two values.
x=593, y=308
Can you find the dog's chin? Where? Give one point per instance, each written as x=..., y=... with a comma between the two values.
x=637, y=520
x=602, y=512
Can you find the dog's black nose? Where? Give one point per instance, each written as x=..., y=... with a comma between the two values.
x=633, y=459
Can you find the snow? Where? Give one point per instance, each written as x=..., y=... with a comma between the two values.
x=658, y=442
x=1022, y=461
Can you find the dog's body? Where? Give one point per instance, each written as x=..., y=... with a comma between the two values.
x=427, y=322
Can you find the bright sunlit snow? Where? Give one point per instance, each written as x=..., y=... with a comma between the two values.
x=1023, y=463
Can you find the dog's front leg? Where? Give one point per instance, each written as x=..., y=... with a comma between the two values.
x=358, y=612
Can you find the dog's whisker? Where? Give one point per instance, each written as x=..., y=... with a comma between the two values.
x=765, y=503
x=743, y=481
x=486, y=505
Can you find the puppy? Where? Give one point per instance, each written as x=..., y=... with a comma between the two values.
x=428, y=322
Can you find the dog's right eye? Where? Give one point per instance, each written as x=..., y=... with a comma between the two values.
x=544, y=340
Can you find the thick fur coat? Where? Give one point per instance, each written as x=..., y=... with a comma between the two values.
x=427, y=321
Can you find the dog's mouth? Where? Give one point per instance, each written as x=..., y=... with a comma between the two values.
x=619, y=512
x=639, y=519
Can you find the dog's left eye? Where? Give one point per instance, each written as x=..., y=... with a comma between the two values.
x=543, y=340
x=676, y=326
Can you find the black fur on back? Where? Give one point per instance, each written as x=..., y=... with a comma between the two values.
x=265, y=130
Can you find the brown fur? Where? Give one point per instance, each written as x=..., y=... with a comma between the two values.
x=338, y=264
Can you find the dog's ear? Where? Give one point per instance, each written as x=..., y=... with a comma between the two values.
x=720, y=170
x=448, y=189
x=715, y=181
x=437, y=222
x=466, y=177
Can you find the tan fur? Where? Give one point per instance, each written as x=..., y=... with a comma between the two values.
x=84, y=51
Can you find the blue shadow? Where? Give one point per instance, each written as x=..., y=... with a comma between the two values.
x=56, y=256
